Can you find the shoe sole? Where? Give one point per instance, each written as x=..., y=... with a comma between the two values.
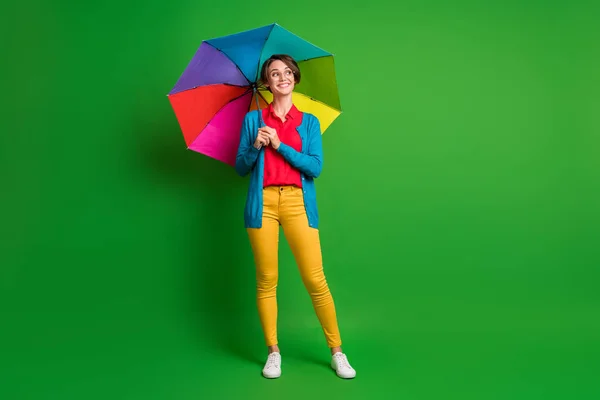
x=271, y=376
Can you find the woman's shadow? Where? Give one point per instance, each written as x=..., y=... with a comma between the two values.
x=218, y=300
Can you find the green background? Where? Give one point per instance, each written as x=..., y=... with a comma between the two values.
x=460, y=206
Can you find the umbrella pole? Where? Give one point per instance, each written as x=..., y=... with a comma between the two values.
x=262, y=123
x=258, y=106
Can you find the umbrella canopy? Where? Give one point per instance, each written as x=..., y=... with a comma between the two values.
x=219, y=86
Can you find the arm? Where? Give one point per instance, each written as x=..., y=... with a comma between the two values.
x=247, y=154
x=311, y=163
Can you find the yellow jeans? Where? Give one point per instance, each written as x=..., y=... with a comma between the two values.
x=284, y=205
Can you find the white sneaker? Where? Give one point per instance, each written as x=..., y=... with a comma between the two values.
x=343, y=369
x=272, y=367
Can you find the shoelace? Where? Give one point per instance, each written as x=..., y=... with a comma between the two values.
x=341, y=359
x=271, y=361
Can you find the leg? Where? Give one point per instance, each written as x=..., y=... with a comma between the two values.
x=306, y=247
x=264, y=243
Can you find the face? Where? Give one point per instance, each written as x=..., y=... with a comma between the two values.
x=281, y=79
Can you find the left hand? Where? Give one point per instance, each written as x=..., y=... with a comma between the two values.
x=272, y=134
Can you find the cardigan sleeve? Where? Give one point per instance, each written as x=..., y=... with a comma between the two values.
x=311, y=162
x=247, y=154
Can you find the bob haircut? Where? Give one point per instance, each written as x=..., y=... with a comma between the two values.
x=287, y=60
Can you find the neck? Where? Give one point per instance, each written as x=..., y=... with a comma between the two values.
x=282, y=105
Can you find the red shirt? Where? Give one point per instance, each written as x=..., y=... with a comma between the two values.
x=278, y=172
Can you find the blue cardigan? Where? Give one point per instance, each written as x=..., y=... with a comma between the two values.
x=309, y=162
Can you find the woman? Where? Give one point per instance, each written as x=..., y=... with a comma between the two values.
x=284, y=157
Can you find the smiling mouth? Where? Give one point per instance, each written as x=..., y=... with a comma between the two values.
x=283, y=85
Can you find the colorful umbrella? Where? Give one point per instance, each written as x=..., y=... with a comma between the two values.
x=219, y=86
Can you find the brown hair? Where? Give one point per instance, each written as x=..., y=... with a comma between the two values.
x=287, y=60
